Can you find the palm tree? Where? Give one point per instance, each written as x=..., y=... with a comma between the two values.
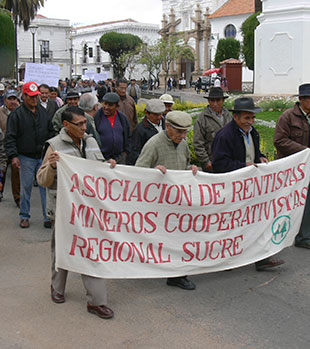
x=23, y=11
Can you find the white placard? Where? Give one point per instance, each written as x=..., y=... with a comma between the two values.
x=42, y=73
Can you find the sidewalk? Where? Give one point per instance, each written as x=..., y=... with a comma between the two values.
x=189, y=94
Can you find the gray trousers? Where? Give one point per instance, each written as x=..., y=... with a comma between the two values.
x=95, y=287
x=304, y=231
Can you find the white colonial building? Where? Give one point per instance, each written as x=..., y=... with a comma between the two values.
x=87, y=54
x=52, y=44
x=202, y=23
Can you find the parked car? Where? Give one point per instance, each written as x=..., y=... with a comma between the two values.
x=206, y=81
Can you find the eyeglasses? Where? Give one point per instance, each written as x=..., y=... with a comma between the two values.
x=78, y=124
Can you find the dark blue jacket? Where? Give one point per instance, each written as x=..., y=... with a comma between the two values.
x=121, y=158
x=228, y=149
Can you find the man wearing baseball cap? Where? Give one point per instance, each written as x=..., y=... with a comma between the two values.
x=168, y=150
x=168, y=100
x=2, y=89
x=11, y=102
x=292, y=134
x=152, y=123
x=236, y=146
x=28, y=128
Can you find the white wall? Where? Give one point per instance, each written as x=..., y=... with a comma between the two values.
x=282, y=47
x=91, y=35
x=57, y=32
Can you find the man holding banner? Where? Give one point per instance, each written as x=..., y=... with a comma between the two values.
x=72, y=140
x=236, y=145
x=291, y=136
x=169, y=150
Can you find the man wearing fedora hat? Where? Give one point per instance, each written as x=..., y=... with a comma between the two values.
x=291, y=136
x=236, y=145
x=169, y=150
x=208, y=123
x=71, y=100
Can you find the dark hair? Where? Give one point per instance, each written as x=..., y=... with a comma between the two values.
x=68, y=113
x=44, y=85
x=121, y=81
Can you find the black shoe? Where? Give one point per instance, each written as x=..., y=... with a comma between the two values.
x=182, y=282
x=1, y=195
x=269, y=263
x=304, y=244
x=47, y=224
x=57, y=297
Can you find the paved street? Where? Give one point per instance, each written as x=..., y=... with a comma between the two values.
x=240, y=308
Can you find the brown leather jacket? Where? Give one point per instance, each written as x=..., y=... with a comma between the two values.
x=291, y=133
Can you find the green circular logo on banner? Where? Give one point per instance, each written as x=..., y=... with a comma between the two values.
x=280, y=228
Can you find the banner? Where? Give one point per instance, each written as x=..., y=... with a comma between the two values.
x=42, y=73
x=131, y=222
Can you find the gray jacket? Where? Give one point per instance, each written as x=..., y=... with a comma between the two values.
x=205, y=129
x=63, y=143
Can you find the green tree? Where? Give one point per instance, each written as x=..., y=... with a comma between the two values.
x=171, y=49
x=7, y=45
x=152, y=60
x=248, y=28
x=23, y=11
x=118, y=45
x=130, y=60
x=226, y=48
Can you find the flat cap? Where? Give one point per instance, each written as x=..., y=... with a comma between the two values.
x=155, y=106
x=111, y=97
x=166, y=98
x=179, y=119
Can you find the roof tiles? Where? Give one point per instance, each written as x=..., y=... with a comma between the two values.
x=234, y=8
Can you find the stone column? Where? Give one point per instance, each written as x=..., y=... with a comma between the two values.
x=206, y=37
x=282, y=47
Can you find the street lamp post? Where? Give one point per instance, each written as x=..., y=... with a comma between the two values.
x=33, y=29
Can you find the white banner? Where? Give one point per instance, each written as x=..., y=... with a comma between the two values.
x=42, y=73
x=131, y=222
x=89, y=74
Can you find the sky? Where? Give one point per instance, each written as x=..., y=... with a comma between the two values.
x=81, y=12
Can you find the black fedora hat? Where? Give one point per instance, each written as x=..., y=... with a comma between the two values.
x=72, y=94
x=215, y=92
x=304, y=90
x=245, y=104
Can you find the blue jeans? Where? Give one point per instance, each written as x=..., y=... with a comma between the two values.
x=28, y=170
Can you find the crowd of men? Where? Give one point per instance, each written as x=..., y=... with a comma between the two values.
x=99, y=122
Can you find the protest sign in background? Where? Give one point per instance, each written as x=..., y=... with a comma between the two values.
x=42, y=73
x=90, y=74
x=130, y=222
